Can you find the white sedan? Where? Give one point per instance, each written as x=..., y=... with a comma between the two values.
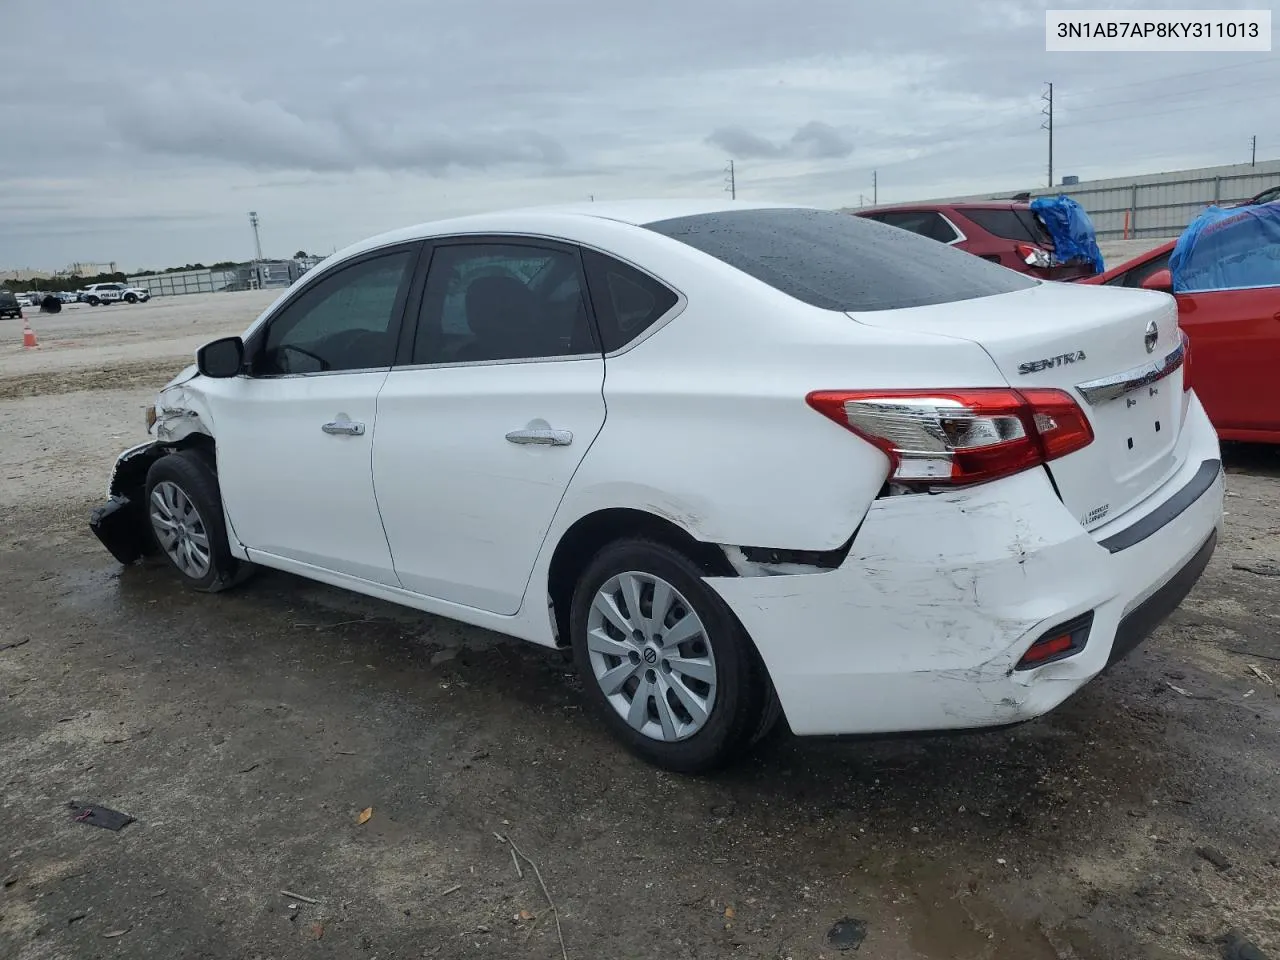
x=746, y=461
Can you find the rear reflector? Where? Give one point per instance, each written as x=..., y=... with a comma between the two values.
x=1059, y=643
x=958, y=437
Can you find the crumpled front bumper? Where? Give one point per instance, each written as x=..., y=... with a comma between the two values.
x=120, y=523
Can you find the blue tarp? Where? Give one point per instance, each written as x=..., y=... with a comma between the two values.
x=1228, y=250
x=1074, y=239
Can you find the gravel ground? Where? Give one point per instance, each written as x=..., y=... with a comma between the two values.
x=247, y=731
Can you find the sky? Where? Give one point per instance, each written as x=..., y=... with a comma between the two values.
x=144, y=131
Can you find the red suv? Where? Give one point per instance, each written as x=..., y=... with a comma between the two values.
x=1003, y=232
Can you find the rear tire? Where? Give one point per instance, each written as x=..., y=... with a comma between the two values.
x=184, y=511
x=681, y=686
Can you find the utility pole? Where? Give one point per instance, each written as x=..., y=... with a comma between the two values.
x=875, y=188
x=1048, y=125
x=591, y=197
x=257, y=249
x=731, y=183
x=1253, y=152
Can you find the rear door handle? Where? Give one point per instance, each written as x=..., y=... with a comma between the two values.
x=344, y=428
x=547, y=437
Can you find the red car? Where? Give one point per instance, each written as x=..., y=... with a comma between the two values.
x=1003, y=232
x=1235, y=346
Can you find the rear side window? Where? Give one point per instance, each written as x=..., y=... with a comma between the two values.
x=927, y=223
x=1010, y=224
x=841, y=262
x=626, y=301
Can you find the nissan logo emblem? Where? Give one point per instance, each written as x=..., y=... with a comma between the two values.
x=1153, y=334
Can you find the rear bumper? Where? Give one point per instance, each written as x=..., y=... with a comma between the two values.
x=923, y=625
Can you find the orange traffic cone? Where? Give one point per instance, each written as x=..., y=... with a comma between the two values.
x=28, y=335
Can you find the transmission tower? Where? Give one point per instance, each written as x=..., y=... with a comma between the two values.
x=1047, y=111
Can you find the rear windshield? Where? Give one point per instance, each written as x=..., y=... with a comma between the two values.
x=841, y=262
x=1010, y=224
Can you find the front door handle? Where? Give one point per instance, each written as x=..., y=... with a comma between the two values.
x=344, y=428
x=547, y=437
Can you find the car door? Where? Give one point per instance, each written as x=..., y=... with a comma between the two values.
x=482, y=428
x=294, y=434
x=1235, y=352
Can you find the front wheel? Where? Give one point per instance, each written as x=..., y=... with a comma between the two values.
x=93, y=301
x=184, y=508
x=130, y=298
x=670, y=669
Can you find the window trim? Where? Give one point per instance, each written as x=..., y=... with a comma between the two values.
x=522, y=238
x=253, y=341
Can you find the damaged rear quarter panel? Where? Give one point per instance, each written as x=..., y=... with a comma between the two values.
x=921, y=625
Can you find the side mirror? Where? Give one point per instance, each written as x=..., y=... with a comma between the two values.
x=1160, y=280
x=221, y=358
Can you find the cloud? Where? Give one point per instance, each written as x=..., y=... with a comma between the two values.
x=194, y=117
x=363, y=117
x=821, y=141
x=813, y=141
x=742, y=144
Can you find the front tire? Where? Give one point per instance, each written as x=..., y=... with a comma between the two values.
x=184, y=509
x=130, y=298
x=93, y=301
x=664, y=660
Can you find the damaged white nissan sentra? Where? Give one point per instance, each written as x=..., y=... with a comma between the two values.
x=745, y=461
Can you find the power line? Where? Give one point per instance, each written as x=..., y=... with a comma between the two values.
x=1181, y=93
x=1171, y=76
x=1162, y=113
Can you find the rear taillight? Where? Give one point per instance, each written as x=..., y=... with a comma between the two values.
x=1033, y=256
x=956, y=437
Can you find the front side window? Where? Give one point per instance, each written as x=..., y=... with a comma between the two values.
x=345, y=321
x=486, y=302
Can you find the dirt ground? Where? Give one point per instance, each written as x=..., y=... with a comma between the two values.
x=246, y=732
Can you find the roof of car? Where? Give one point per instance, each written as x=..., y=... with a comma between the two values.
x=546, y=219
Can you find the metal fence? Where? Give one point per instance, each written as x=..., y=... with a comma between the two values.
x=187, y=281
x=1157, y=204
x=270, y=273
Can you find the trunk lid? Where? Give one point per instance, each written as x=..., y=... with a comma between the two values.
x=1091, y=342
